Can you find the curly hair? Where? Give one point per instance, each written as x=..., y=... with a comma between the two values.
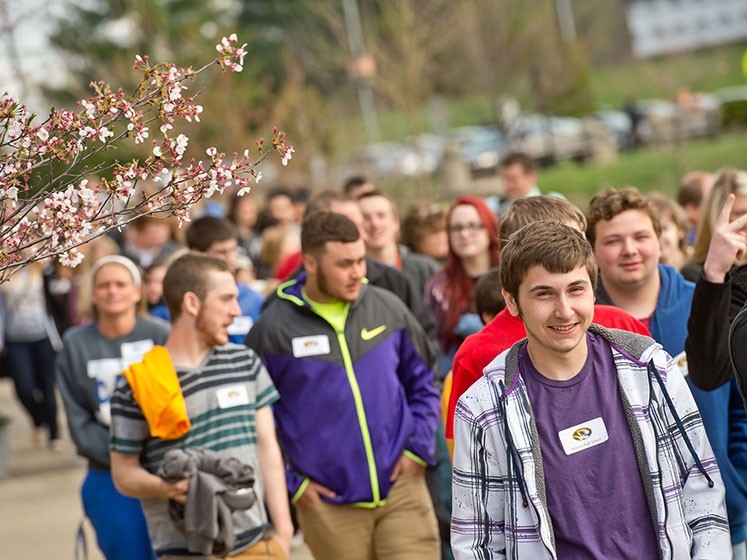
x=610, y=202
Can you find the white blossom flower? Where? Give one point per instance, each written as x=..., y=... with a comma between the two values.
x=11, y=193
x=90, y=108
x=104, y=133
x=288, y=155
x=181, y=144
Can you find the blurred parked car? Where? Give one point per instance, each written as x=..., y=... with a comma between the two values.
x=619, y=124
x=549, y=139
x=481, y=147
x=666, y=121
x=428, y=150
x=393, y=159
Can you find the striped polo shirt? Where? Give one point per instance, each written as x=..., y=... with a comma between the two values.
x=222, y=396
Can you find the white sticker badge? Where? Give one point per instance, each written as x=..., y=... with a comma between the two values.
x=241, y=325
x=681, y=361
x=235, y=395
x=583, y=436
x=310, y=345
x=133, y=351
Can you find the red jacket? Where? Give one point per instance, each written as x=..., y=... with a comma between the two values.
x=479, y=349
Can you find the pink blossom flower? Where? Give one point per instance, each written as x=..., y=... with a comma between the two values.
x=67, y=210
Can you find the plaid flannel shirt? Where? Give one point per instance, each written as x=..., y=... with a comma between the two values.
x=499, y=502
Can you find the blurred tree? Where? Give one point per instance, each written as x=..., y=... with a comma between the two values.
x=498, y=42
x=562, y=80
x=298, y=71
x=99, y=40
x=599, y=25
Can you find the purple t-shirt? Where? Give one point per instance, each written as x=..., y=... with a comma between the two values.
x=595, y=494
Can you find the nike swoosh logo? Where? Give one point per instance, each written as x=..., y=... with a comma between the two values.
x=368, y=335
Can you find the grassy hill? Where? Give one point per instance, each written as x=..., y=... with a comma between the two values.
x=651, y=169
x=706, y=70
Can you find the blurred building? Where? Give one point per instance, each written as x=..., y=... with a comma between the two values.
x=660, y=27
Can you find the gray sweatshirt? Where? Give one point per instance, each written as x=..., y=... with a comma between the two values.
x=87, y=371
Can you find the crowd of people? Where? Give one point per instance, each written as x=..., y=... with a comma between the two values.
x=502, y=377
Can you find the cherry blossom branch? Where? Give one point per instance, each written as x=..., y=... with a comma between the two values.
x=56, y=193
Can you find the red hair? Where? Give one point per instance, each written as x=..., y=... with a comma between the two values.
x=458, y=286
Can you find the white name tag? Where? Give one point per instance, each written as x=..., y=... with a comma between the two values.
x=133, y=351
x=310, y=345
x=681, y=361
x=240, y=325
x=583, y=436
x=105, y=371
x=235, y=395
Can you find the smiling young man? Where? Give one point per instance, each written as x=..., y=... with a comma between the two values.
x=579, y=441
x=479, y=349
x=624, y=230
x=358, y=409
x=382, y=226
x=200, y=392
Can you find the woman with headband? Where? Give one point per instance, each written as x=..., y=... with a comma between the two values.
x=92, y=358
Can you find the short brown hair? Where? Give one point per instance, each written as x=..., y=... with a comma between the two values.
x=353, y=183
x=419, y=221
x=691, y=188
x=610, y=202
x=487, y=294
x=189, y=273
x=207, y=230
x=513, y=158
x=324, y=200
x=556, y=247
x=374, y=193
x=524, y=211
x=322, y=227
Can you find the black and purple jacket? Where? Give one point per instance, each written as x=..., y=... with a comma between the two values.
x=351, y=402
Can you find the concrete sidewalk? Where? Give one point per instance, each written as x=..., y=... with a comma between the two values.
x=39, y=499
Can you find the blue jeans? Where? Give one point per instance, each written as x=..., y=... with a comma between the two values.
x=739, y=551
x=119, y=522
x=31, y=366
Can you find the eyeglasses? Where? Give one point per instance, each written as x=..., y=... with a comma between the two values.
x=473, y=227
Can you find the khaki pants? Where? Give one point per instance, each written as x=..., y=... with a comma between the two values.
x=263, y=550
x=405, y=528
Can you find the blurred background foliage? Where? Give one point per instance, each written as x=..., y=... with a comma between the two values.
x=430, y=65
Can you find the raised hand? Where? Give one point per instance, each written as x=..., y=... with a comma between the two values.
x=728, y=244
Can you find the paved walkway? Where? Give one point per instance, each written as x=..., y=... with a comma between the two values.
x=39, y=501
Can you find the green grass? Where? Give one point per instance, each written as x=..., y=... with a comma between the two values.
x=650, y=169
x=705, y=70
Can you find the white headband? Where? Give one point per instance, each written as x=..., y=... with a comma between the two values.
x=120, y=260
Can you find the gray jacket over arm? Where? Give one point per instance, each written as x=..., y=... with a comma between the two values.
x=217, y=487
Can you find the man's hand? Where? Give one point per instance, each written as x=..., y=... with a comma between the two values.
x=728, y=244
x=285, y=544
x=176, y=491
x=407, y=467
x=313, y=494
